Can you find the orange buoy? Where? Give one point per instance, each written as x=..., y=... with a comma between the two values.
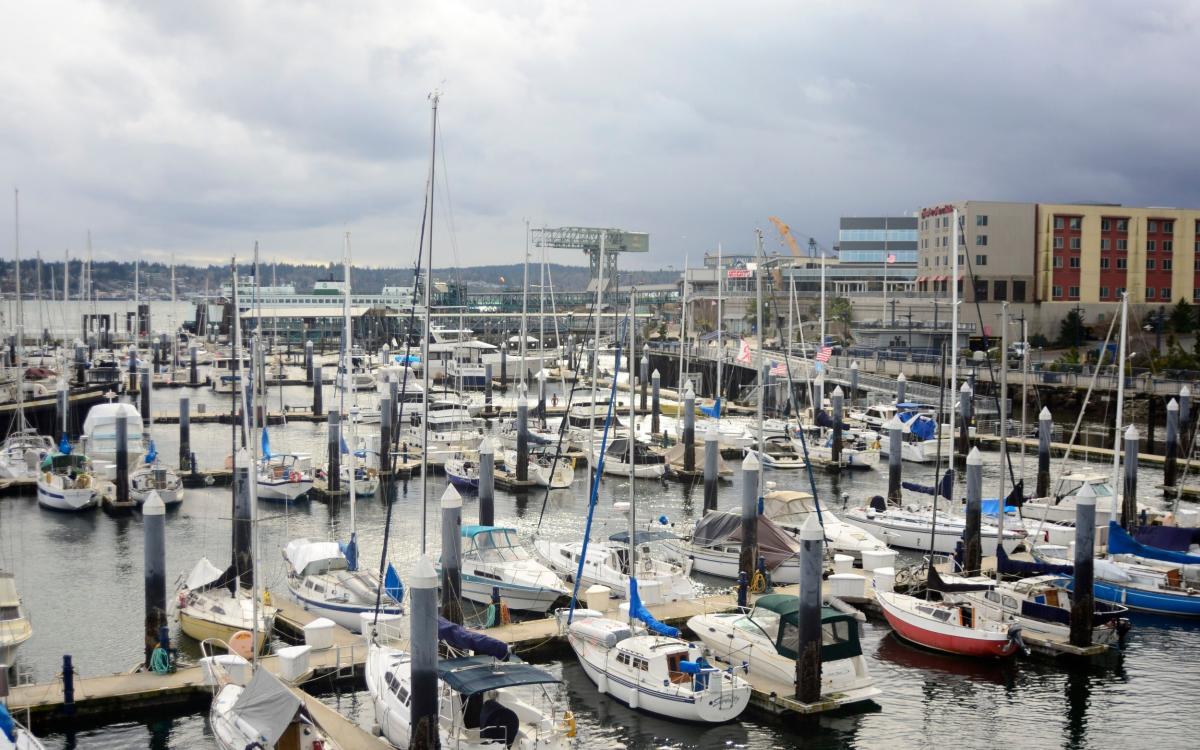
x=242, y=644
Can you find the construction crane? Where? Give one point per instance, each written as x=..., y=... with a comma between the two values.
x=786, y=233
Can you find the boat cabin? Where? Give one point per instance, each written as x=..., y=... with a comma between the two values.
x=492, y=544
x=777, y=616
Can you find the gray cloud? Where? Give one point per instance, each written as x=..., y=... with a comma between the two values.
x=196, y=128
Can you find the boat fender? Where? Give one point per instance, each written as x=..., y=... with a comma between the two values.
x=569, y=721
x=1014, y=635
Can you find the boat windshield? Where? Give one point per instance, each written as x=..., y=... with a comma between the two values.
x=760, y=622
x=497, y=546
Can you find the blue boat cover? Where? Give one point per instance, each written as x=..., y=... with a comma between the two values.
x=713, y=411
x=266, y=444
x=466, y=639
x=152, y=454
x=1178, y=538
x=1008, y=566
x=638, y=610
x=920, y=425
x=944, y=489
x=392, y=585
x=64, y=445
x=473, y=675
x=1120, y=543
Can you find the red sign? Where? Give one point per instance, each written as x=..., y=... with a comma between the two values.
x=936, y=211
x=738, y=273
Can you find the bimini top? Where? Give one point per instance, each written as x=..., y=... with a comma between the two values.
x=839, y=631
x=473, y=530
x=472, y=675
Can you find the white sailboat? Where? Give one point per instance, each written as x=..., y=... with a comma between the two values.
x=68, y=483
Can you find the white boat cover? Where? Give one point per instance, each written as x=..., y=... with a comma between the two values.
x=204, y=573
x=8, y=591
x=321, y=556
x=1107, y=570
x=786, y=503
x=267, y=705
x=608, y=633
x=102, y=419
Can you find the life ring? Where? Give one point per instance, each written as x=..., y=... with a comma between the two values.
x=294, y=476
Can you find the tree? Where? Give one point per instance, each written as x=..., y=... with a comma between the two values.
x=1071, y=332
x=1183, y=318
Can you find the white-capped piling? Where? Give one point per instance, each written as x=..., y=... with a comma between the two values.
x=853, y=394
x=644, y=375
x=145, y=397
x=835, y=402
x=808, y=656
x=487, y=384
x=1185, y=407
x=1045, y=425
x=185, y=433
x=63, y=401
x=487, y=482
x=154, y=570
x=243, y=560
x=541, y=402
x=1170, y=465
x=452, y=555
x=308, y=362
x=1129, y=510
x=318, y=387
x=333, y=480
x=972, y=543
x=748, y=559
x=901, y=386
x=895, y=455
x=689, y=428
x=966, y=399
x=1083, y=597
x=712, y=449
x=655, y=382
x=522, y=434
x=423, y=706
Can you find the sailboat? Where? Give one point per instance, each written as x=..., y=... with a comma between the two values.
x=260, y=713
x=68, y=482
x=15, y=627
x=153, y=476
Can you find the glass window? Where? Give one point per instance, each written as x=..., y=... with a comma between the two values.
x=981, y=220
x=1074, y=261
x=1105, y=225
x=1000, y=290
x=1103, y=264
x=1149, y=264
x=1058, y=243
x=1149, y=246
x=1196, y=293
x=1122, y=225
x=981, y=260
x=1168, y=245
x=1073, y=292
x=1076, y=243
x=1057, y=291
x=1103, y=292
x=1164, y=293
x=981, y=290
x=1018, y=291
x=833, y=633
x=1120, y=291
x=1104, y=243
x=1122, y=244
x=1167, y=265
x=1122, y=263
x=981, y=239
x=1058, y=261
x=1151, y=226
x=1149, y=292
x=1168, y=227
x=1076, y=222
x=1058, y=222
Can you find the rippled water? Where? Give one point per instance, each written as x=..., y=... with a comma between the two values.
x=80, y=577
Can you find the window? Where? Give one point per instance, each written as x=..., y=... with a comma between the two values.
x=1057, y=292
x=1058, y=261
x=981, y=260
x=1151, y=226
x=1105, y=225
x=962, y=258
x=1196, y=264
x=1058, y=243
x=1103, y=292
x=1018, y=291
x=1000, y=290
x=1104, y=264
x=1167, y=265
x=1196, y=293
x=1074, y=261
x=1058, y=222
x=1122, y=264
x=1073, y=292
x=1168, y=227
x=1122, y=244
x=1076, y=222
x=1168, y=245
x=1076, y=243
x=1149, y=264
x=1149, y=246
x=981, y=290
x=1120, y=292
x=1104, y=244
x=1149, y=292
x=1122, y=225
x=1164, y=293
x=981, y=220
x=981, y=239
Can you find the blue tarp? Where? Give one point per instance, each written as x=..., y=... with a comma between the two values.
x=152, y=454
x=1178, y=538
x=266, y=444
x=392, y=585
x=638, y=610
x=919, y=424
x=350, y=552
x=64, y=445
x=469, y=640
x=990, y=505
x=1120, y=543
x=713, y=411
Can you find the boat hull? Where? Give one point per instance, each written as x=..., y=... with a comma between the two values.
x=67, y=501
x=970, y=643
x=284, y=491
x=914, y=537
x=346, y=615
x=201, y=629
x=516, y=596
x=1144, y=600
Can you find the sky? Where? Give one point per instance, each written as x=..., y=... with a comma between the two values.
x=192, y=130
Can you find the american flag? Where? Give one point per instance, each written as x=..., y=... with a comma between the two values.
x=891, y=258
x=779, y=369
x=824, y=354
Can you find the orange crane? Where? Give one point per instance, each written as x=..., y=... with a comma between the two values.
x=786, y=233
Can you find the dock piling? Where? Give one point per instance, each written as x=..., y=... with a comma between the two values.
x=751, y=469
x=63, y=403
x=644, y=374
x=1185, y=407
x=1045, y=425
x=895, y=456
x=122, y=462
x=503, y=367
x=334, y=434
x=901, y=385
x=1129, y=517
x=185, y=433
x=452, y=555
x=712, y=450
x=655, y=382
x=808, y=662
x=487, y=482
x=145, y=399
x=835, y=402
x=853, y=383
x=966, y=402
x=133, y=369
x=689, y=428
x=423, y=704
x=487, y=386
x=193, y=367
x=522, y=434
x=155, y=570
x=80, y=363
x=972, y=543
x=243, y=560
x=1083, y=597
x=317, y=406
x=68, y=677
x=541, y=402
x=1170, y=468
x=309, y=372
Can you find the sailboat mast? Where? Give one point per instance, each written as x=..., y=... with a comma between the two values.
x=1118, y=432
x=425, y=343
x=349, y=385
x=524, y=303
x=20, y=350
x=1024, y=387
x=596, y=356
x=542, y=312
x=953, y=331
x=720, y=325
x=1003, y=428
x=631, y=441
x=762, y=342
x=137, y=302
x=682, y=328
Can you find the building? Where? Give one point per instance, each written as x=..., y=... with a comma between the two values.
x=995, y=249
x=864, y=245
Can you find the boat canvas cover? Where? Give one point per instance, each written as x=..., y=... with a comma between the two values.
x=1024, y=569
x=642, y=536
x=473, y=675
x=918, y=425
x=101, y=421
x=1178, y=538
x=675, y=457
x=8, y=591
x=307, y=557
x=267, y=705
x=774, y=544
x=466, y=639
x=787, y=504
x=203, y=575
x=1120, y=543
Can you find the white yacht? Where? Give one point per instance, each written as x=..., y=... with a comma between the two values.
x=910, y=527
x=284, y=476
x=154, y=477
x=607, y=564
x=715, y=547
x=68, y=483
x=493, y=558
x=548, y=471
x=99, y=438
x=21, y=453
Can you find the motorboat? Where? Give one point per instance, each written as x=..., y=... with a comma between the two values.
x=212, y=605
x=224, y=374
x=536, y=434
x=544, y=468
x=715, y=547
x=483, y=701
x=767, y=639
x=955, y=627
x=260, y=713
x=15, y=627
x=660, y=674
x=778, y=453
x=731, y=434
x=789, y=510
x=607, y=564
x=155, y=477
x=366, y=479
x=858, y=450
x=492, y=558
x=68, y=483
x=99, y=437
x=874, y=416
x=647, y=463
x=21, y=453
x=922, y=439
x=284, y=476
x=462, y=469
x=1060, y=506
x=450, y=427
x=909, y=527
x=323, y=580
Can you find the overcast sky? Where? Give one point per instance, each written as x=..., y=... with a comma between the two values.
x=195, y=128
